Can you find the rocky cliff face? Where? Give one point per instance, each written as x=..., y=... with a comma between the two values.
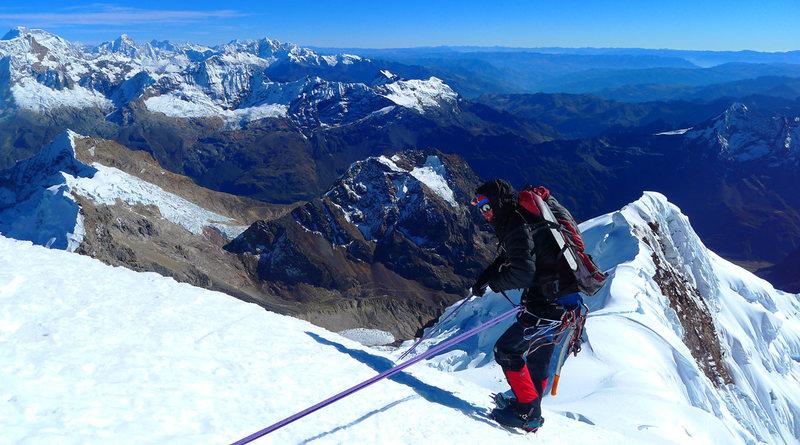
x=388, y=247
x=388, y=228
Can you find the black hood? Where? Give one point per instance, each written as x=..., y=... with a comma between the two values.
x=503, y=199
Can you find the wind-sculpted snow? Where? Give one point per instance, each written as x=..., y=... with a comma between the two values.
x=640, y=369
x=238, y=82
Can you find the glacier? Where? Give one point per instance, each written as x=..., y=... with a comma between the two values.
x=44, y=209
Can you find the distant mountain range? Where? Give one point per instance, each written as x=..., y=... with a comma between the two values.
x=473, y=71
x=238, y=82
x=278, y=123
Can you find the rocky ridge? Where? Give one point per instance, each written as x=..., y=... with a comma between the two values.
x=98, y=198
x=388, y=247
x=388, y=228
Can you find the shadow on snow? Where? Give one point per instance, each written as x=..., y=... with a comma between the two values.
x=428, y=392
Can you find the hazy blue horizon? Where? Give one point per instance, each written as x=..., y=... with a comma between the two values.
x=714, y=25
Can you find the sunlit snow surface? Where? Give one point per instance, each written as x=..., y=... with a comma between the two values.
x=634, y=374
x=95, y=354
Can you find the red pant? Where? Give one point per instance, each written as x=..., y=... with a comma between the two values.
x=526, y=375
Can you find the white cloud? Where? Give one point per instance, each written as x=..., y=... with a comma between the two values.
x=107, y=14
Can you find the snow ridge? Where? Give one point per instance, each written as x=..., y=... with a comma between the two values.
x=119, y=356
x=635, y=356
x=39, y=204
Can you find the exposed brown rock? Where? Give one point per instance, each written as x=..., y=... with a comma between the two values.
x=332, y=285
x=700, y=335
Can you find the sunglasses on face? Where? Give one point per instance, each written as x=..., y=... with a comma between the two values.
x=482, y=203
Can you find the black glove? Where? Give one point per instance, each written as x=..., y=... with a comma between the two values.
x=482, y=283
x=478, y=289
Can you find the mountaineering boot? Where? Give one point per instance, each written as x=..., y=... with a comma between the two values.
x=518, y=415
x=502, y=400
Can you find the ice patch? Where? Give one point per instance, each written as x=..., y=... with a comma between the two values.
x=39, y=98
x=174, y=106
x=368, y=337
x=674, y=132
x=433, y=174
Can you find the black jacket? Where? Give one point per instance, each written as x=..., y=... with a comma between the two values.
x=528, y=257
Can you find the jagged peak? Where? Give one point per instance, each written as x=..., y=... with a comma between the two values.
x=41, y=37
x=13, y=33
x=123, y=44
x=402, y=169
x=385, y=76
x=56, y=157
x=737, y=107
x=39, y=34
x=735, y=112
x=21, y=31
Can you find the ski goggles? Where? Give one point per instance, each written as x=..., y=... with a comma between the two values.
x=482, y=203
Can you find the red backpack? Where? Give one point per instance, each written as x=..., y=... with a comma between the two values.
x=539, y=202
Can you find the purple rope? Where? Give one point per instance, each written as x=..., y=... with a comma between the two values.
x=414, y=346
x=381, y=376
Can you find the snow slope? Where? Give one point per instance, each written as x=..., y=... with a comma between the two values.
x=635, y=374
x=96, y=354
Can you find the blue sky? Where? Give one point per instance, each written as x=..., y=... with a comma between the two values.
x=770, y=25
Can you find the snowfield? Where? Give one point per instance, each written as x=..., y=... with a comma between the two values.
x=97, y=354
x=54, y=177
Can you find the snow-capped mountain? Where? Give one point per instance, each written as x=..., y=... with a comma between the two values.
x=237, y=82
x=742, y=135
x=133, y=358
x=97, y=198
x=388, y=226
x=39, y=197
